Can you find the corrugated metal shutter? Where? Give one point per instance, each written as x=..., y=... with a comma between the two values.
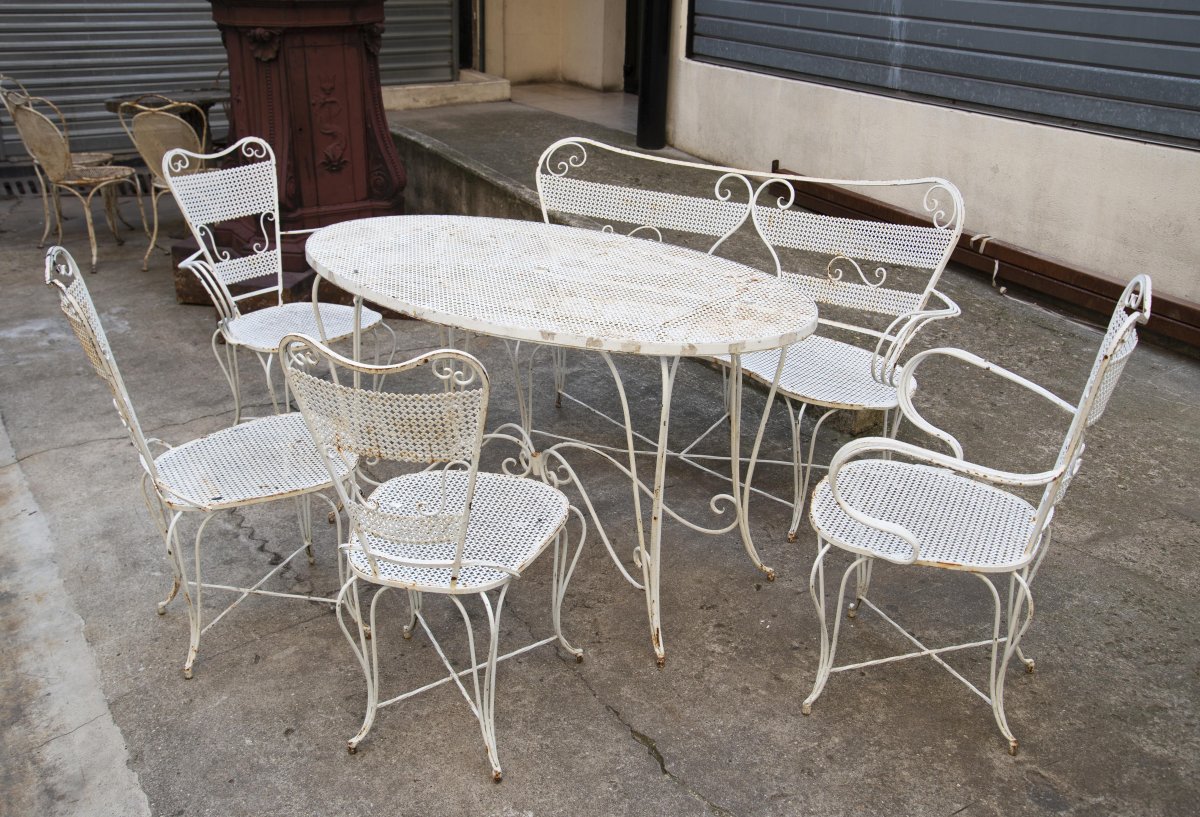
x=419, y=42
x=79, y=54
x=1102, y=64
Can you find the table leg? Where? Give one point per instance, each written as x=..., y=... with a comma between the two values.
x=741, y=493
x=651, y=562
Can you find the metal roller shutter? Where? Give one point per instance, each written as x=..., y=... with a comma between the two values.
x=1100, y=64
x=78, y=54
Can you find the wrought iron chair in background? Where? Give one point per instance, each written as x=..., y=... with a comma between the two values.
x=252, y=463
x=49, y=148
x=892, y=500
x=447, y=528
x=11, y=97
x=210, y=195
x=156, y=124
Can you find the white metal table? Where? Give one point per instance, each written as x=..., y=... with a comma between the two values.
x=565, y=287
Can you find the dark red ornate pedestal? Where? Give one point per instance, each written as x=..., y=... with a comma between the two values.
x=304, y=75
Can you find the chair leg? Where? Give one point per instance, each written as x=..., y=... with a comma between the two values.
x=367, y=654
x=229, y=368
x=155, y=195
x=863, y=581
x=193, y=600
x=266, y=361
x=558, y=357
x=804, y=469
x=1016, y=627
x=108, y=195
x=560, y=577
x=485, y=696
x=816, y=587
x=414, y=609
x=796, y=418
x=304, y=517
x=159, y=513
x=37, y=172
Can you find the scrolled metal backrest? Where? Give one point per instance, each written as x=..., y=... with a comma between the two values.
x=155, y=125
x=210, y=195
x=438, y=426
x=62, y=273
x=1120, y=339
x=562, y=188
x=43, y=139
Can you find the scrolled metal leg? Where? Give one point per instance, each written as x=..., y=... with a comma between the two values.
x=863, y=579
x=742, y=497
x=193, y=600
x=414, y=609
x=816, y=588
x=560, y=578
x=485, y=694
x=304, y=518
x=806, y=469
x=367, y=654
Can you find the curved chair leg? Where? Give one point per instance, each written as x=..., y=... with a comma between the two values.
x=414, y=609
x=484, y=705
x=816, y=587
x=796, y=419
x=805, y=468
x=267, y=360
x=304, y=517
x=558, y=356
x=159, y=514
x=229, y=368
x=108, y=195
x=155, y=195
x=999, y=664
x=37, y=172
x=1028, y=663
x=863, y=580
x=367, y=654
x=560, y=577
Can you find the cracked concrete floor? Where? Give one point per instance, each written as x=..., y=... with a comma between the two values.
x=1108, y=723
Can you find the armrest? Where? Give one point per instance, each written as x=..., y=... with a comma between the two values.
x=887, y=445
x=905, y=389
x=902, y=330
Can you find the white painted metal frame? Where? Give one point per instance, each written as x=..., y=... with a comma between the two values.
x=528, y=282
x=258, y=461
x=445, y=529
x=210, y=194
x=851, y=265
x=892, y=500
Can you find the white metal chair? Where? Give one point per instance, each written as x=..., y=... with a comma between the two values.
x=48, y=146
x=446, y=529
x=892, y=500
x=877, y=291
x=255, y=462
x=18, y=95
x=209, y=195
x=156, y=124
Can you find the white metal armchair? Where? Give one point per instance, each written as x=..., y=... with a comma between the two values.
x=255, y=462
x=895, y=501
x=448, y=529
x=210, y=195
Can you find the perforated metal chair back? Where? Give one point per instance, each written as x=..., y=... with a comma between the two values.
x=213, y=189
x=155, y=124
x=62, y=273
x=432, y=414
x=1120, y=339
x=43, y=139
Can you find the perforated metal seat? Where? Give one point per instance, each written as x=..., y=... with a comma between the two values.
x=257, y=461
x=827, y=372
x=512, y=520
x=960, y=522
x=264, y=329
x=908, y=505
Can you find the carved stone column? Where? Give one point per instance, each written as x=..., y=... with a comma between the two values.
x=304, y=75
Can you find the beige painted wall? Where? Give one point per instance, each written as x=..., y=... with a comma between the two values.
x=578, y=41
x=1112, y=206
